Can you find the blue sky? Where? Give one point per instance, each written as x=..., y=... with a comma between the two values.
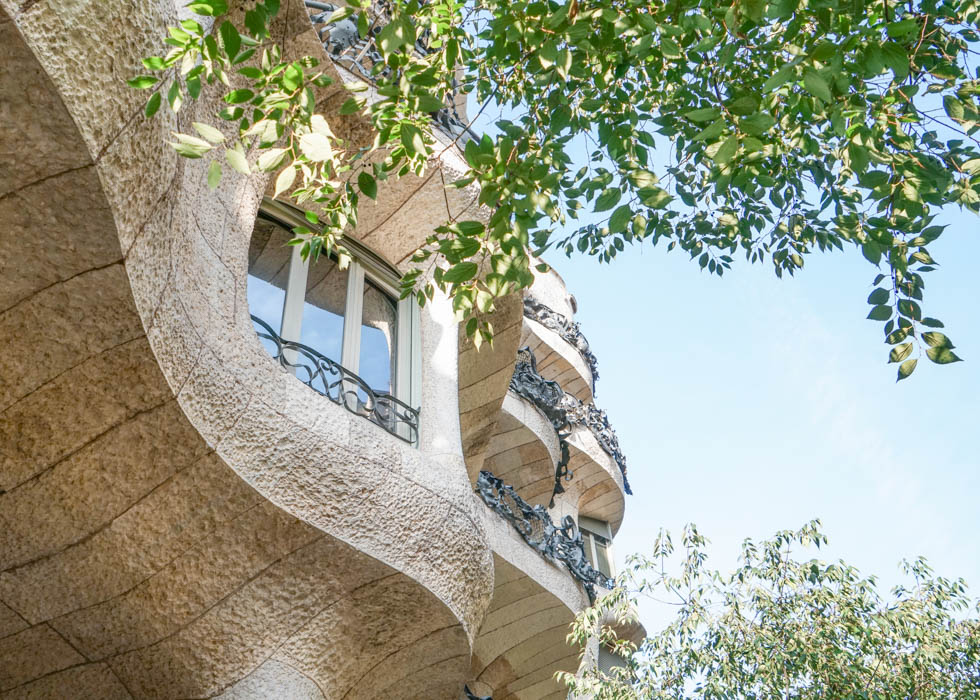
x=748, y=404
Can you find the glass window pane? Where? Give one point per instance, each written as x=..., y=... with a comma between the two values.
x=587, y=541
x=323, y=309
x=378, y=356
x=602, y=556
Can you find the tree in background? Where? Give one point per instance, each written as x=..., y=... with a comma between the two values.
x=783, y=627
x=722, y=128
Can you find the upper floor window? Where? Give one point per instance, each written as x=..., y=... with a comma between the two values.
x=597, y=538
x=341, y=331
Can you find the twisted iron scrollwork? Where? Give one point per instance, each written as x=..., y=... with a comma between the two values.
x=569, y=330
x=565, y=411
x=469, y=695
x=359, y=55
x=596, y=420
x=342, y=386
x=556, y=543
x=547, y=396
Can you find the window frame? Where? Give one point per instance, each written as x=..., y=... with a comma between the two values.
x=365, y=264
x=590, y=529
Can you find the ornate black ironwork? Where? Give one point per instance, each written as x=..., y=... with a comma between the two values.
x=342, y=386
x=596, y=420
x=468, y=694
x=344, y=44
x=565, y=411
x=569, y=331
x=548, y=396
x=556, y=543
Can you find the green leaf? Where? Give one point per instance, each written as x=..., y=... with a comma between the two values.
x=880, y=313
x=461, y=272
x=367, y=184
x=412, y=139
x=214, y=174
x=932, y=322
x=271, y=159
x=142, y=82
x=351, y=105
x=896, y=59
x=395, y=35
x=757, y=124
x=712, y=131
x=909, y=309
x=237, y=160
x=705, y=114
x=620, y=218
x=173, y=96
x=906, y=368
x=654, y=197
x=285, y=180
x=608, y=199
x=316, y=147
x=154, y=63
x=942, y=356
x=878, y=296
x=727, y=151
x=898, y=354
x=643, y=179
x=817, y=86
x=230, y=37
x=954, y=108
x=153, y=104
x=208, y=132
x=936, y=339
x=239, y=96
x=209, y=8
x=670, y=48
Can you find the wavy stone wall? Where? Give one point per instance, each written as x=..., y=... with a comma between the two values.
x=179, y=518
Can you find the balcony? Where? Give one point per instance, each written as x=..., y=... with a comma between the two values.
x=561, y=545
x=340, y=385
x=562, y=350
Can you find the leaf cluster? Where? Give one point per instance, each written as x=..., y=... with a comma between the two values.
x=784, y=626
x=721, y=128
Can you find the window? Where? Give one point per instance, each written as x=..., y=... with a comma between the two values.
x=597, y=537
x=343, y=332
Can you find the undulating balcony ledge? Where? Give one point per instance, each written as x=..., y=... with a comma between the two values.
x=522, y=641
x=563, y=352
x=559, y=544
x=340, y=385
x=524, y=449
x=565, y=413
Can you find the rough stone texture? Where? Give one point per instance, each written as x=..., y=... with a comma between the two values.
x=87, y=682
x=483, y=381
x=33, y=653
x=25, y=138
x=274, y=679
x=178, y=516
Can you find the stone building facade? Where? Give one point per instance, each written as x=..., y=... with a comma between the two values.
x=192, y=507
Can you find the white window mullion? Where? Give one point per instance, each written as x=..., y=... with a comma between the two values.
x=353, y=316
x=291, y=324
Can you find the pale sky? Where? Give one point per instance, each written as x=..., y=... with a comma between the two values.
x=748, y=404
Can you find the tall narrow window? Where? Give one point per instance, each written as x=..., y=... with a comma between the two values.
x=341, y=331
x=597, y=538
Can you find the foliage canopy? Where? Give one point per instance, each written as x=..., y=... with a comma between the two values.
x=767, y=130
x=783, y=627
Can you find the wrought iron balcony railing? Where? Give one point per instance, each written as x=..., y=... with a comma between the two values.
x=565, y=411
x=562, y=544
x=342, y=386
x=548, y=396
x=359, y=55
x=569, y=331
